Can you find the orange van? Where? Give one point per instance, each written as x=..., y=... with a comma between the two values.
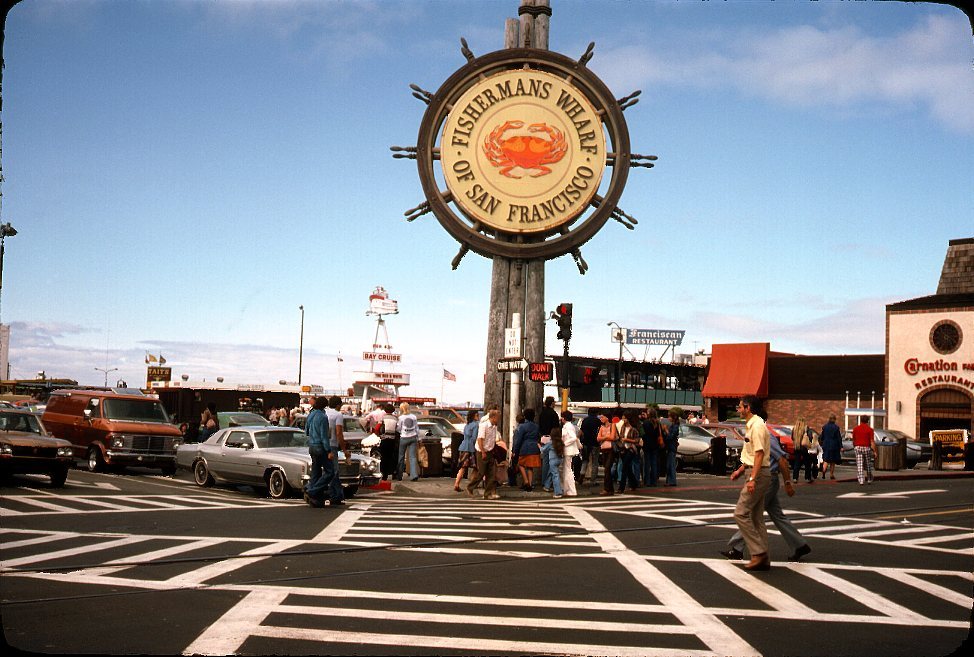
x=114, y=428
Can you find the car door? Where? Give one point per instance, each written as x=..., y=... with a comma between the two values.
x=87, y=426
x=238, y=457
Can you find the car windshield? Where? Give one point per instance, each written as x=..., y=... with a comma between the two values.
x=695, y=431
x=446, y=414
x=20, y=422
x=135, y=410
x=434, y=429
x=245, y=419
x=271, y=439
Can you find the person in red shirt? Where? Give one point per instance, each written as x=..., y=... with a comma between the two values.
x=864, y=444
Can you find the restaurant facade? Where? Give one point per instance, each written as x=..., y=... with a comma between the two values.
x=924, y=381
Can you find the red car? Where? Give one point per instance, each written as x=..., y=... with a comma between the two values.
x=783, y=432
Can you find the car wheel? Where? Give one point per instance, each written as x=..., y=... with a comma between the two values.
x=58, y=477
x=277, y=486
x=96, y=463
x=169, y=470
x=201, y=474
x=350, y=490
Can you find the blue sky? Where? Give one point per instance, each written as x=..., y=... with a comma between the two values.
x=184, y=174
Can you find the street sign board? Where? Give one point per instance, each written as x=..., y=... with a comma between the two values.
x=541, y=371
x=381, y=356
x=512, y=342
x=654, y=336
x=511, y=364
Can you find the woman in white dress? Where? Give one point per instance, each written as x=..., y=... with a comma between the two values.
x=569, y=435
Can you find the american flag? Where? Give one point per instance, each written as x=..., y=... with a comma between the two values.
x=449, y=376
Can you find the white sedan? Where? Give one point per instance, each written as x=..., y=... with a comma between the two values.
x=272, y=457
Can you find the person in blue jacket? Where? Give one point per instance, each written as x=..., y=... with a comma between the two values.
x=527, y=448
x=318, y=430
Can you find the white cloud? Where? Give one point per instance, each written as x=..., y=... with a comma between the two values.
x=856, y=326
x=808, y=66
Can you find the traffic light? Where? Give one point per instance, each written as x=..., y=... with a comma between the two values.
x=564, y=316
x=584, y=375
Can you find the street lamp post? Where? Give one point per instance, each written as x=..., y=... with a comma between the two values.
x=620, y=336
x=6, y=230
x=301, y=345
x=106, y=370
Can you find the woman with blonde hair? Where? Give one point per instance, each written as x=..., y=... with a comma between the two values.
x=408, y=429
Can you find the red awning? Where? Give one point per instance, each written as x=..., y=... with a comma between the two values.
x=737, y=370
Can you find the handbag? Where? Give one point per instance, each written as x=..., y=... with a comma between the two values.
x=499, y=452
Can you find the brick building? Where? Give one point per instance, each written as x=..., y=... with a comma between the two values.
x=793, y=385
x=924, y=381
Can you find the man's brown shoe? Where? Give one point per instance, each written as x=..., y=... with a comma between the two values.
x=758, y=562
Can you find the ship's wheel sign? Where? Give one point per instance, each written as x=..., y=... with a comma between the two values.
x=515, y=152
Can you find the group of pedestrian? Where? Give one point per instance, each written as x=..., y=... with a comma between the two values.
x=544, y=451
x=633, y=449
x=398, y=440
x=283, y=416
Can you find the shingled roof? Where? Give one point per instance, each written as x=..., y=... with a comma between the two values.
x=957, y=276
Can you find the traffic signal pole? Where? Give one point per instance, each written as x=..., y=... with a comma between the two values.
x=563, y=314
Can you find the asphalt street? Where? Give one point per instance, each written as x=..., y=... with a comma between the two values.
x=138, y=563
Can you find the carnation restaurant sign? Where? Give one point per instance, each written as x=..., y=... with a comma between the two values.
x=940, y=371
x=523, y=151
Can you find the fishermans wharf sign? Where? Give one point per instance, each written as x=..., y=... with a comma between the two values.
x=523, y=151
x=533, y=150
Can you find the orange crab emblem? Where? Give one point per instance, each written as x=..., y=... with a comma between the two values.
x=528, y=152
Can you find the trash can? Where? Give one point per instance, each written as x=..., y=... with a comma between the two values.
x=888, y=456
x=718, y=455
x=901, y=444
x=936, y=456
x=434, y=453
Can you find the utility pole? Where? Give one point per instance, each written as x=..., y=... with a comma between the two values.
x=301, y=345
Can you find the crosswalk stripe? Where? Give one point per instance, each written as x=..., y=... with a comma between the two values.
x=937, y=591
x=864, y=596
x=717, y=636
x=75, y=551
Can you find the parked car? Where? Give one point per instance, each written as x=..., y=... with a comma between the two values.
x=915, y=450
x=114, y=428
x=241, y=419
x=783, y=432
x=733, y=435
x=694, y=445
x=355, y=435
x=26, y=448
x=451, y=415
x=273, y=457
x=430, y=429
x=442, y=422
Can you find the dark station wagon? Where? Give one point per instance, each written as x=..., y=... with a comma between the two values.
x=26, y=448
